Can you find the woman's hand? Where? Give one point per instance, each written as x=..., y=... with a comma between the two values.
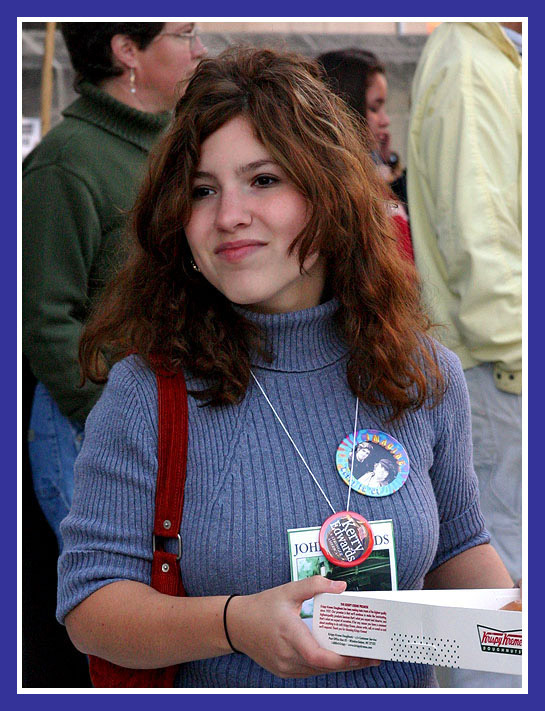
x=268, y=628
x=516, y=604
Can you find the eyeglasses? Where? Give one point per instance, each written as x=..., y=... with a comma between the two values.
x=191, y=36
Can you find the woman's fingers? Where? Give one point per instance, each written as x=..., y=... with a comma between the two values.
x=304, y=589
x=323, y=660
x=316, y=659
x=516, y=604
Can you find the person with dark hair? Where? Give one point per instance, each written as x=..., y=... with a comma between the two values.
x=350, y=73
x=77, y=185
x=89, y=45
x=359, y=78
x=261, y=265
x=384, y=471
x=362, y=451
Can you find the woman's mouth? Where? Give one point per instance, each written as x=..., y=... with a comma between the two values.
x=238, y=250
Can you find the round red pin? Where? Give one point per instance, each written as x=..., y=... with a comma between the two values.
x=346, y=539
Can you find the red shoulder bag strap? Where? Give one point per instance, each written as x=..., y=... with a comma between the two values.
x=169, y=502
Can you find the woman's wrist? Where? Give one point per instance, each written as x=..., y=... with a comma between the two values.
x=225, y=627
x=236, y=614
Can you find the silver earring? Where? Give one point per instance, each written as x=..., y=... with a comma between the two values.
x=193, y=265
x=132, y=81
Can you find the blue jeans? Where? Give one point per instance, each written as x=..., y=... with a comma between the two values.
x=54, y=442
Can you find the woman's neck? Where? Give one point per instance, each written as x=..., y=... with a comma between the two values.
x=119, y=88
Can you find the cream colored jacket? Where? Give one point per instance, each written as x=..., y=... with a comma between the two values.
x=464, y=192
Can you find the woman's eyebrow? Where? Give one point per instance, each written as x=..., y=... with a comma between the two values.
x=254, y=165
x=204, y=174
x=241, y=170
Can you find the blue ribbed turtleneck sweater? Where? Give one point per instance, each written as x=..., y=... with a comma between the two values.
x=246, y=487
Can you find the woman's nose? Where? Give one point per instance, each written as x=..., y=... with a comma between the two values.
x=232, y=212
x=198, y=49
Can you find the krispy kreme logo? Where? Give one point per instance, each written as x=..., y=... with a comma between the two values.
x=500, y=641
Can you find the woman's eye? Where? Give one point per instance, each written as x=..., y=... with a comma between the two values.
x=263, y=181
x=200, y=192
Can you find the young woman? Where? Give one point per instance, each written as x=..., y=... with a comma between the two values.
x=262, y=265
x=359, y=77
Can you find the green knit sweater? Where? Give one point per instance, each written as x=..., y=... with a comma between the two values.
x=78, y=184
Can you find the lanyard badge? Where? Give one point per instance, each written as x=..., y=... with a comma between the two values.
x=345, y=537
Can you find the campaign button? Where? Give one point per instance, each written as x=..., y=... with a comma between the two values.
x=346, y=539
x=381, y=464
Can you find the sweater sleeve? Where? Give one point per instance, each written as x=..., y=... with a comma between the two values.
x=61, y=237
x=455, y=484
x=108, y=532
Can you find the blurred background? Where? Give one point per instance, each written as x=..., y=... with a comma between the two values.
x=397, y=44
x=49, y=659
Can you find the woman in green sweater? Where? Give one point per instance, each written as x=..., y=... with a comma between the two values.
x=77, y=185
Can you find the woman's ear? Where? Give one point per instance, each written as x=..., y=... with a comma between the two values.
x=124, y=51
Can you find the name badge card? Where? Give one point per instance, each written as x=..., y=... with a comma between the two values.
x=376, y=572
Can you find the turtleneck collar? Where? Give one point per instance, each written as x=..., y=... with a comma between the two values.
x=301, y=341
x=97, y=107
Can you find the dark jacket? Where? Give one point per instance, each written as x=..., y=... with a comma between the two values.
x=78, y=184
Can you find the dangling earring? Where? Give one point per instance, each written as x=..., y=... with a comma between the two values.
x=193, y=265
x=132, y=81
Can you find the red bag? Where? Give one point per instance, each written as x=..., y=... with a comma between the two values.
x=169, y=502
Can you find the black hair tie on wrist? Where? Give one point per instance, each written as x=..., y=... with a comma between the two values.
x=225, y=622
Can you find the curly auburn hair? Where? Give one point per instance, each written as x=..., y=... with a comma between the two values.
x=159, y=307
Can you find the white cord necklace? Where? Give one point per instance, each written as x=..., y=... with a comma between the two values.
x=345, y=537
